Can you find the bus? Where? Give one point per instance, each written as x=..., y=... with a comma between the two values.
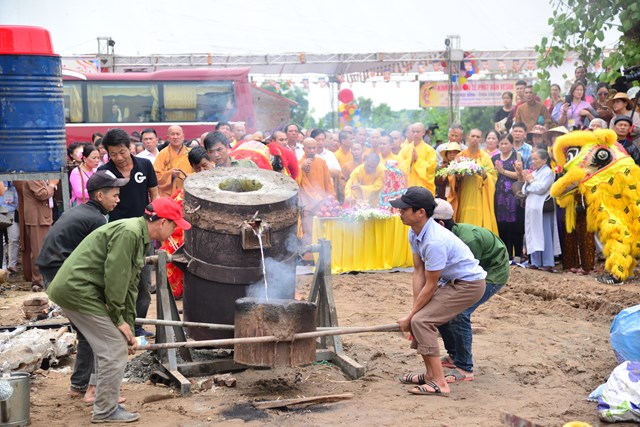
x=196, y=99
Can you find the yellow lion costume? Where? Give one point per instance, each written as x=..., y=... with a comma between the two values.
x=596, y=166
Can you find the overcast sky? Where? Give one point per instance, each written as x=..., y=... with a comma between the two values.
x=276, y=26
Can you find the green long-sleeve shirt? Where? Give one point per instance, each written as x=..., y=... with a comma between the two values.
x=101, y=275
x=486, y=248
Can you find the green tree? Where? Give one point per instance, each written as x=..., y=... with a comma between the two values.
x=477, y=118
x=382, y=116
x=580, y=26
x=365, y=105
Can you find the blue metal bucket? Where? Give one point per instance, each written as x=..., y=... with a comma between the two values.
x=32, y=126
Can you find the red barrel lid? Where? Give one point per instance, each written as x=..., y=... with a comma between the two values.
x=25, y=40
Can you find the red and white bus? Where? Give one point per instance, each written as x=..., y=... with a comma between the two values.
x=195, y=99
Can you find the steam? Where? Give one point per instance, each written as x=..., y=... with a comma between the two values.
x=292, y=243
x=281, y=276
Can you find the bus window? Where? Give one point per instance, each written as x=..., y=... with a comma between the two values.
x=122, y=102
x=203, y=101
x=72, y=102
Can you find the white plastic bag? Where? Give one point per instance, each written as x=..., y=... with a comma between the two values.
x=620, y=399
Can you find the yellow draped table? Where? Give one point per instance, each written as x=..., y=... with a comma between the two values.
x=374, y=244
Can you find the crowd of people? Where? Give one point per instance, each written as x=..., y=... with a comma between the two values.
x=505, y=192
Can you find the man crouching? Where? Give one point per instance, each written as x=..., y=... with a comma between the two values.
x=447, y=279
x=96, y=288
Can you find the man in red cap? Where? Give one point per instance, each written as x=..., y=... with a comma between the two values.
x=97, y=286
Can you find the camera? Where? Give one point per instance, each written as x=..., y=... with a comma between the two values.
x=433, y=127
x=568, y=99
x=629, y=75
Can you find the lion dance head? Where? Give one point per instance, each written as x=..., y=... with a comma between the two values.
x=596, y=166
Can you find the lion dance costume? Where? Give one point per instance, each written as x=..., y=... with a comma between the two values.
x=596, y=166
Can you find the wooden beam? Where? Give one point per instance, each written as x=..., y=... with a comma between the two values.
x=302, y=402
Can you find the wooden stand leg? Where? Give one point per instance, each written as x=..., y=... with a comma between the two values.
x=330, y=348
x=167, y=310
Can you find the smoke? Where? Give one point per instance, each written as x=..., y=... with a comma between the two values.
x=292, y=243
x=280, y=281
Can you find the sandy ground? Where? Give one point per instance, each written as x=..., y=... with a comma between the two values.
x=543, y=347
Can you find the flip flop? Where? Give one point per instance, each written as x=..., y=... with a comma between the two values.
x=446, y=362
x=408, y=379
x=457, y=376
x=422, y=390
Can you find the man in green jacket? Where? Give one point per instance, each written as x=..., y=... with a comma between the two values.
x=97, y=287
x=494, y=259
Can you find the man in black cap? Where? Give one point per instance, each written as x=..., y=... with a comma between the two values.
x=447, y=279
x=622, y=127
x=65, y=235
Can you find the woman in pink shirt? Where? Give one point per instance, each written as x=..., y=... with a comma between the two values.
x=575, y=114
x=81, y=174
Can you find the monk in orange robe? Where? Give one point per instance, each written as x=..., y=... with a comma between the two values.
x=315, y=186
x=172, y=164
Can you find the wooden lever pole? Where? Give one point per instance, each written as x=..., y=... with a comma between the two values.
x=392, y=327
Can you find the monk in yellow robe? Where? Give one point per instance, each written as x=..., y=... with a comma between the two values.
x=365, y=182
x=315, y=186
x=396, y=141
x=172, y=164
x=343, y=154
x=471, y=196
x=385, y=150
x=374, y=142
x=418, y=160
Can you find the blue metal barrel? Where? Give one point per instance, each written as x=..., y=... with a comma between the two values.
x=32, y=127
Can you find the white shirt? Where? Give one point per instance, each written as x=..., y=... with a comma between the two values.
x=146, y=154
x=331, y=160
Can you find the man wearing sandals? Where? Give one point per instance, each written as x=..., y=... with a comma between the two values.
x=492, y=254
x=447, y=279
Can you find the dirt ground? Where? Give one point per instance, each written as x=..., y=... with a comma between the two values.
x=543, y=346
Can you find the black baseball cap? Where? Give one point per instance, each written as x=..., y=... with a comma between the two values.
x=415, y=197
x=105, y=179
x=622, y=119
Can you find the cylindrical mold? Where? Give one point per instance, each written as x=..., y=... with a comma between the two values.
x=32, y=126
x=222, y=259
x=14, y=412
x=280, y=318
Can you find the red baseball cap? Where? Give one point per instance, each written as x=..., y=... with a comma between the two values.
x=167, y=208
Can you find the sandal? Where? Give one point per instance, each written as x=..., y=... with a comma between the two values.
x=409, y=379
x=456, y=376
x=447, y=362
x=532, y=267
x=74, y=393
x=609, y=279
x=422, y=390
x=549, y=269
x=36, y=288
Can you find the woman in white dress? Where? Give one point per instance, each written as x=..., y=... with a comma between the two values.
x=540, y=228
